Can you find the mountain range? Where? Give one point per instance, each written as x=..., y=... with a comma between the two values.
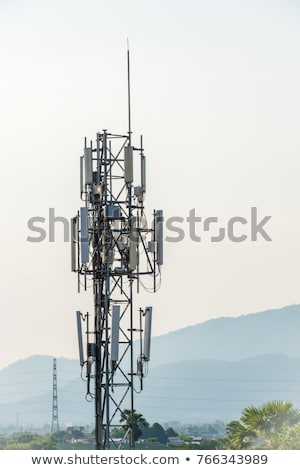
x=200, y=373
x=227, y=338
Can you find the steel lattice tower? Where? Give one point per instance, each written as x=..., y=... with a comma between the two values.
x=111, y=252
x=55, y=425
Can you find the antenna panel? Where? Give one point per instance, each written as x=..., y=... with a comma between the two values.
x=128, y=164
x=133, y=245
x=84, y=235
x=81, y=176
x=115, y=322
x=147, y=333
x=159, y=235
x=133, y=255
x=79, y=332
x=143, y=173
x=88, y=166
x=74, y=240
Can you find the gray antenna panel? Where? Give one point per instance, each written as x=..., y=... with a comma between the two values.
x=133, y=245
x=147, y=333
x=159, y=236
x=88, y=166
x=79, y=331
x=81, y=176
x=128, y=164
x=74, y=240
x=84, y=235
x=143, y=173
x=115, y=322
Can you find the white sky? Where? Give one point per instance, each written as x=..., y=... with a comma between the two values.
x=215, y=92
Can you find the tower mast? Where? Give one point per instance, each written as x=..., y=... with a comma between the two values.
x=112, y=249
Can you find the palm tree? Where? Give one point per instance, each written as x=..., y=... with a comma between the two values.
x=263, y=427
x=238, y=436
x=133, y=422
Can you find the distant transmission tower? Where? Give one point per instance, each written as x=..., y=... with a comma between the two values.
x=55, y=425
x=113, y=249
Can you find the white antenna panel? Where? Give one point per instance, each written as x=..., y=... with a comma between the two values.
x=115, y=322
x=147, y=333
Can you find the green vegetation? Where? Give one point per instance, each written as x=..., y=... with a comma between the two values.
x=272, y=425
x=136, y=420
x=141, y=428
x=28, y=441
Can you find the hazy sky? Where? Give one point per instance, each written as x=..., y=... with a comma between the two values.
x=215, y=92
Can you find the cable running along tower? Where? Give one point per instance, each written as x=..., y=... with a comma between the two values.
x=116, y=253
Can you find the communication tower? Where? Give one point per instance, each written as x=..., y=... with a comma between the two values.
x=55, y=425
x=115, y=252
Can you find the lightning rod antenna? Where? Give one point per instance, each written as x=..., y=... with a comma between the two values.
x=128, y=92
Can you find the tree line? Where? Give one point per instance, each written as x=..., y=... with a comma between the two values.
x=272, y=425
